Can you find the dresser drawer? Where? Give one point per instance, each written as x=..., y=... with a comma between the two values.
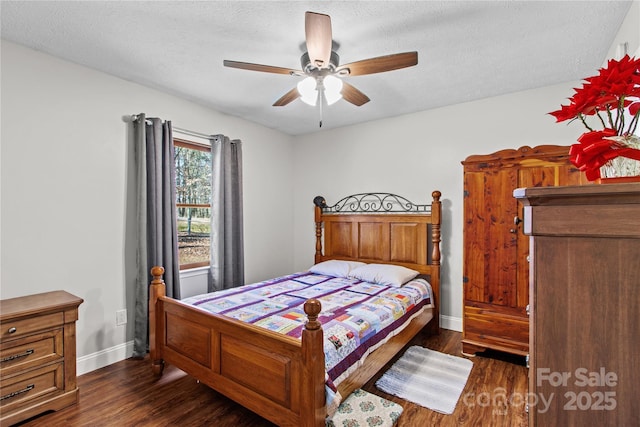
x=30, y=387
x=19, y=355
x=18, y=328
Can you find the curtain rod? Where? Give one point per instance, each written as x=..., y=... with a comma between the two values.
x=134, y=117
x=191, y=133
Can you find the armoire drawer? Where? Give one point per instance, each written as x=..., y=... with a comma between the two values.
x=35, y=350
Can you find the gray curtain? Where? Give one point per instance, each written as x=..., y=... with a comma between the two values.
x=227, y=247
x=156, y=218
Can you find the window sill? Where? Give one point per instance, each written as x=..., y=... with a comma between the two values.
x=192, y=272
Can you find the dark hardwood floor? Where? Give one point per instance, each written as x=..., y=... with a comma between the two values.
x=127, y=394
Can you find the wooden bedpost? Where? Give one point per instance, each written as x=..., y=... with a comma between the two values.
x=436, y=220
x=312, y=400
x=319, y=203
x=156, y=290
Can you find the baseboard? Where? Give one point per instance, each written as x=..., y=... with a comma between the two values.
x=452, y=323
x=102, y=358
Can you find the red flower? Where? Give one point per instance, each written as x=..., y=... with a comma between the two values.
x=614, y=92
x=613, y=97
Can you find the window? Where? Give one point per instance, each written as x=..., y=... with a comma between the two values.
x=193, y=196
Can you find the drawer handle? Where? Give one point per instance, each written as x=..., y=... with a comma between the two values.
x=13, y=330
x=15, y=393
x=17, y=356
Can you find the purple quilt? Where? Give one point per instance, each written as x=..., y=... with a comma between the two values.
x=356, y=316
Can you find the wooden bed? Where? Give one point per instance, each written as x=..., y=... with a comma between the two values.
x=279, y=377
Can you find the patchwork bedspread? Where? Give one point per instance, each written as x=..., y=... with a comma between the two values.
x=356, y=316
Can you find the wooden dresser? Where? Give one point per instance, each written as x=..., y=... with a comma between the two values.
x=585, y=295
x=495, y=269
x=37, y=354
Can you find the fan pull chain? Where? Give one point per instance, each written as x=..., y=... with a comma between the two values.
x=320, y=102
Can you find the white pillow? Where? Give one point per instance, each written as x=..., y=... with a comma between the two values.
x=384, y=274
x=335, y=267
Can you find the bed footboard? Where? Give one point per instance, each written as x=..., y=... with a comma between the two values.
x=278, y=377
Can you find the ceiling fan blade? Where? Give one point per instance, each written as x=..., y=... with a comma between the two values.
x=264, y=68
x=353, y=95
x=379, y=64
x=288, y=97
x=317, y=27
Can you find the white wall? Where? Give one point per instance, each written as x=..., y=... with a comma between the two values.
x=66, y=200
x=629, y=33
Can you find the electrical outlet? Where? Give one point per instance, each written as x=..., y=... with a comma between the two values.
x=121, y=317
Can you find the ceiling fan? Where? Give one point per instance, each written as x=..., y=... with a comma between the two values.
x=324, y=73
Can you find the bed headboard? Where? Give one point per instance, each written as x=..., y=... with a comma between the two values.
x=381, y=228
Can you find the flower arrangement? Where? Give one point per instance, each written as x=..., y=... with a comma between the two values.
x=612, y=99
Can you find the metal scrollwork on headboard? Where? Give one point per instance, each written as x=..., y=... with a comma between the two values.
x=371, y=203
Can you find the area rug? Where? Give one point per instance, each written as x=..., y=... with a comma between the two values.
x=427, y=377
x=362, y=409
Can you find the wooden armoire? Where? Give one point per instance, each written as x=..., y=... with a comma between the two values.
x=495, y=252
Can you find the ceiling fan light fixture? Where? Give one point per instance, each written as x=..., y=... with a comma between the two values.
x=308, y=91
x=332, y=89
x=320, y=63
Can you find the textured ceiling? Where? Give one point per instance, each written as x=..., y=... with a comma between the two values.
x=467, y=50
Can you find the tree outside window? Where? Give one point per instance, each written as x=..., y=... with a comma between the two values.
x=193, y=195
